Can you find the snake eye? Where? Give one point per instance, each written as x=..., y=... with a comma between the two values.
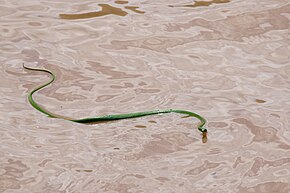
x=203, y=130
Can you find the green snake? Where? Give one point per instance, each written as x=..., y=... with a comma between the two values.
x=108, y=117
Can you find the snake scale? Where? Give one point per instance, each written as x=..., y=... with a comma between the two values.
x=108, y=117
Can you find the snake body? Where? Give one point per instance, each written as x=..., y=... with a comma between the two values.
x=108, y=117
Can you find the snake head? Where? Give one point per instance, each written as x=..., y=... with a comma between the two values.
x=204, y=134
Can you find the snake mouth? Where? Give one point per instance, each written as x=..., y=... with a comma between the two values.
x=204, y=136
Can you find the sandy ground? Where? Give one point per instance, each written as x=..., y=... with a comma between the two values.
x=227, y=60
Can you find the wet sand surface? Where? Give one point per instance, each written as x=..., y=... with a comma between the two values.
x=226, y=60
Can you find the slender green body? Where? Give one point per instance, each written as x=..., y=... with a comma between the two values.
x=108, y=117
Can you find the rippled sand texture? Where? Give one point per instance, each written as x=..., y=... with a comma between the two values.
x=227, y=60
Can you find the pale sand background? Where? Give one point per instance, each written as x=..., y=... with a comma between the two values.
x=228, y=61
